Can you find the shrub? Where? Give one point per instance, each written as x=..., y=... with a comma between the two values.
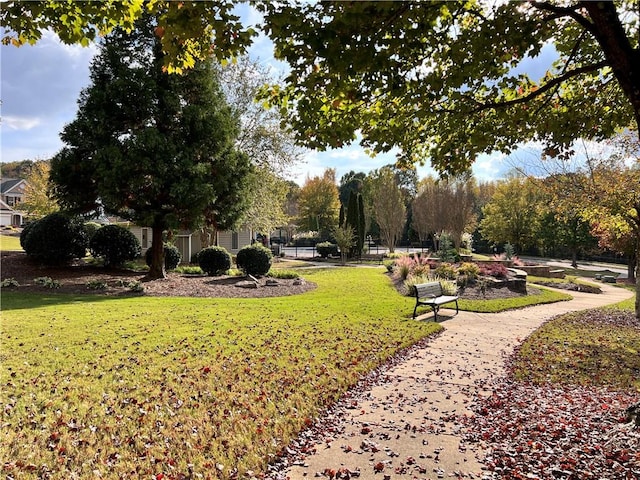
x=446, y=270
x=389, y=264
x=254, y=260
x=9, y=282
x=25, y=232
x=55, y=239
x=422, y=266
x=509, y=251
x=47, y=282
x=449, y=287
x=285, y=274
x=325, y=249
x=496, y=270
x=414, y=280
x=469, y=270
x=214, y=261
x=447, y=252
x=91, y=228
x=114, y=244
x=189, y=270
x=306, y=239
x=96, y=285
x=172, y=256
x=403, y=267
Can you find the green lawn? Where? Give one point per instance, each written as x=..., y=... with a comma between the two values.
x=598, y=347
x=503, y=304
x=9, y=242
x=138, y=387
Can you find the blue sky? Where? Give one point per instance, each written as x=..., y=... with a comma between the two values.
x=40, y=85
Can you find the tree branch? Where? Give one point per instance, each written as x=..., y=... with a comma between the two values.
x=556, y=82
x=559, y=12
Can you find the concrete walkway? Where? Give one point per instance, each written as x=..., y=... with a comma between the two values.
x=404, y=428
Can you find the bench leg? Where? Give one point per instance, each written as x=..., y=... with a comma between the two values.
x=435, y=312
x=414, y=310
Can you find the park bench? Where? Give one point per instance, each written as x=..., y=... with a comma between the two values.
x=371, y=257
x=431, y=294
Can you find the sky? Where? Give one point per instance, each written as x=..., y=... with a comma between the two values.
x=40, y=86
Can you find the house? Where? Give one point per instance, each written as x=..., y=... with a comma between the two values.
x=189, y=243
x=11, y=194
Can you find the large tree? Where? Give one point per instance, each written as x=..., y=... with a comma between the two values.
x=319, y=204
x=38, y=200
x=441, y=80
x=447, y=81
x=605, y=192
x=445, y=206
x=271, y=148
x=389, y=208
x=513, y=214
x=154, y=148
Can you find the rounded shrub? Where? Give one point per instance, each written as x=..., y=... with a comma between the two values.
x=254, y=259
x=214, y=260
x=91, y=228
x=25, y=232
x=114, y=244
x=327, y=248
x=56, y=238
x=172, y=256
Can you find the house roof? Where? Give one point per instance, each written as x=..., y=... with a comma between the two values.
x=8, y=184
x=5, y=207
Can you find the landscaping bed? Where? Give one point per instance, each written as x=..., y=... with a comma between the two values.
x=81, y=277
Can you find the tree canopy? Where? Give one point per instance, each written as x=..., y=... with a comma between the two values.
x=445, y=81
x=440, y=80
x=154, y=148
x=188, y=31
x=319, y=203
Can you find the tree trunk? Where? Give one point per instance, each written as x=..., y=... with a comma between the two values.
x=638, y=285
x=156, y=269
x=631, y=268
x=618, y=50
x=574, y=258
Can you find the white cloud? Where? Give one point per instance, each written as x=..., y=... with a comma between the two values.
x=489, y=167
x=20, y=123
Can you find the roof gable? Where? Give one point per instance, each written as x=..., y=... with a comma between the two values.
x=10, y=184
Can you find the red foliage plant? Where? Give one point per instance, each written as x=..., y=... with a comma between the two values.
x=496, y=270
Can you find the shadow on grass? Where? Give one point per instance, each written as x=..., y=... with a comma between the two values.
x=14, y=300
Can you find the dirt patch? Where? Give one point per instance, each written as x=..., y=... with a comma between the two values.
x=82, y=278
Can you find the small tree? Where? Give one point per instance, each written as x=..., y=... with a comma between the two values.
x=345, y=238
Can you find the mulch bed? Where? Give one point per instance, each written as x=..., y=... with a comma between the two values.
x=77, y=278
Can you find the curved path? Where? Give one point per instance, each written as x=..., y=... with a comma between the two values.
x=404, y=428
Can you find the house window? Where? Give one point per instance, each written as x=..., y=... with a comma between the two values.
x=145, y=238
x=13, y=201
x=234, y=241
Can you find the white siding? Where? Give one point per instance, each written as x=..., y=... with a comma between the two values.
x=226, y=240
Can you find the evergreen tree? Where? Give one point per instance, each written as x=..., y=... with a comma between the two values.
x=352, y=221
x=361, y=231
x=154, y=148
